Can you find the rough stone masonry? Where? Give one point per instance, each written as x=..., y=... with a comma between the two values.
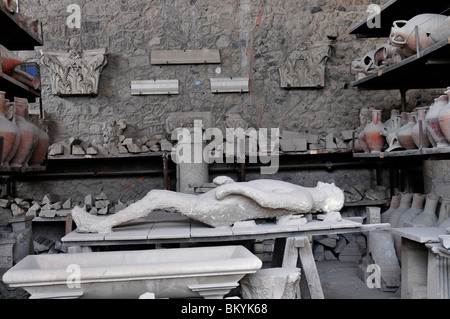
x=254, y=39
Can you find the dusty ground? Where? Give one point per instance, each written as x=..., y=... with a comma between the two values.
x=340, y=281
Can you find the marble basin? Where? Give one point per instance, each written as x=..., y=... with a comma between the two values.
x=209, y=272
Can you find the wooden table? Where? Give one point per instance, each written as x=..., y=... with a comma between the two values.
x=291, y=242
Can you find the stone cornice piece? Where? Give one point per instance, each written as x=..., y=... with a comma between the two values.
x=159, y=57
x=74, y=72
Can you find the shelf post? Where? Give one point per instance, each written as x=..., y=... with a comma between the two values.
x=403, y=99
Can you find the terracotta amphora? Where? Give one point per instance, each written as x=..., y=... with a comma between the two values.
x=363, y=143
x=18, y=136
x=40, y=153
x=404, y=133
x=442, y=32
x=405, y=204
x=415, y=131
x=373, y=133
x=7, y=129
x=435, y=134
x=403, y=33
x=395, y=203
x=415, y=209
x=428, y=217
x=444, y=214
x=391, y=135
x=444, y=117
x=29, y=138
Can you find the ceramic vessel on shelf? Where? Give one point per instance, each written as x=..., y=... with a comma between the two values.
x=405, y=204
x=373, y=133
x=7, y=130
x=442, y=32
x=40, y=153
x=404, y=133
x=29, y=138
x=435, y=134
x=416, y=208
x=403, y=33
x=395, y=203
x=404, y=118
x=444, y=213
x=428, y=217
x=444, y=117
x=420, y=125
x=363, y=143
x=17, y=139
x=391, y=135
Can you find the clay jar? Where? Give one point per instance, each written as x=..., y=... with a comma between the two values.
x=442, y=32
x=444, y=214
x=373, y=133
x=415, y=131
x=40, y=153
x=444, y=117
x=403, y=33
x=363, y=143
x=428, y=217
x=416, y=208
x=404, y=133
x=17, y=139
x=7, y=130
x=434, y=131
x=395, y=203
x=29, y=138
x=405, y=204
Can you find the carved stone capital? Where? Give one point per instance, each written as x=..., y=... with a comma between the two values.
x=305, y=67
x=74, y=72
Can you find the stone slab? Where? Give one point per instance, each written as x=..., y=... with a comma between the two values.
x=420, y=234
x=159, y=57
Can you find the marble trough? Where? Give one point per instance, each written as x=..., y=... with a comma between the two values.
x=209, y=272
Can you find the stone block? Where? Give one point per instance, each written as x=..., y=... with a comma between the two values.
x=47, y=213
x=373, y=215
x=351, y=253
x=319, y=252
x=77, y=150
x=67, y=204
x=122, y=149
x=293, y=145
x=271, y=283
x=326, y=241
x=56, y=149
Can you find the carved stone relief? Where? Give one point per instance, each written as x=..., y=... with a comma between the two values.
x=305, y=67
x=74, y=72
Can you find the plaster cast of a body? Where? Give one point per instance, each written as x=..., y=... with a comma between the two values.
x=225, y=205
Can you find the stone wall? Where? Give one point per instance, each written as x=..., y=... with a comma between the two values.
x=254, y=39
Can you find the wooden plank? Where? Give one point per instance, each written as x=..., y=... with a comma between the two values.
x=170, y=230
x=159, y=57
x=83, y=237
x=199, y=230
x=134, y=232
x=309, y=266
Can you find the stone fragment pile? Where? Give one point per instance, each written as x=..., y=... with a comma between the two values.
x=342, y=247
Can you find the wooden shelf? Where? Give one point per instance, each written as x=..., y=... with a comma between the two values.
x=14, y=88
x=103, y=157
x=429, y=69
x=367, y=203
x=21, y=170
x=15, y=36
x=406, y=153
x=399, y=10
